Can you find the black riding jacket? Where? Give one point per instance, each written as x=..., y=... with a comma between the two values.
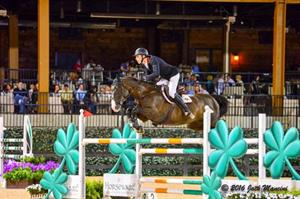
x=159, y=68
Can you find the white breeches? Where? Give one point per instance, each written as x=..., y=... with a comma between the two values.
x=172, y=84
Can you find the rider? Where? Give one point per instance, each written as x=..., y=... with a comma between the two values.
x=168, y=74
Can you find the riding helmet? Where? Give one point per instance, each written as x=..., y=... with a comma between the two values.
x=141, y=51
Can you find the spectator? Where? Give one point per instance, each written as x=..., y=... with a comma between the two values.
x=181, y=89
x=66, y=99
x=190, y=90
x=7, y=89
x=56, y=92
x=80, y=95
x=125, y=68
x=255, y=86
x=229, y=81
x=195, y=69
x=91, y=100
x=20, y=97
x=209, y=84
x=77, y=67
x=33, y=98
x=220, y=85
x=107, y=89
x=239, y=81
x=190, y=84
x=91, y=64
x=199, y=90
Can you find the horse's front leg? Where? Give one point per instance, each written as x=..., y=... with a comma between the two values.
x=135, y=118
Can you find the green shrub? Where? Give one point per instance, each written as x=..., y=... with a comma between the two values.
x=34, y=160
x=18, y=175
x=94, y=189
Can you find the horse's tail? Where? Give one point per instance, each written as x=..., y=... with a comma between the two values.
x=223, y=103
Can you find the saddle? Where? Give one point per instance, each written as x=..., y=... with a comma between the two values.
x=169, y=99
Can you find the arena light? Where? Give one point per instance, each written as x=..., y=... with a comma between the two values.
x=62, y=12
x=79, y=6
x=236, y=58
x=3, y=13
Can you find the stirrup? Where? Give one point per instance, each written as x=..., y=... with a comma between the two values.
x=190, y=115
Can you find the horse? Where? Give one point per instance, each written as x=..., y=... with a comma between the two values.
x=152, y=105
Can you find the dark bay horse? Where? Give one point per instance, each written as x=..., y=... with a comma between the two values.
x=152, y=106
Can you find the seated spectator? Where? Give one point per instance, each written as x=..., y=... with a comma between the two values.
x=73, y=76
x=229, y=81
x=7, y=89
x=66, y=99
x=106, y=89
x=239, y=81
x=33, y=98
x=195, y=69
x=181, y=89
x=125, y=68
x=189, y=90
x=20, y=98
x=80, y=95
x=199, y=90
x=92, y=100
x=209, y=84
x=79, y=81
x=56, y=92
x=220, y=84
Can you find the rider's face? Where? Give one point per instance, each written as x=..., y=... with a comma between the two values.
x=139, y=59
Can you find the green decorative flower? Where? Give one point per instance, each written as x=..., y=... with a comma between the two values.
x=282, y=148
x=66, y=147
x=211, y=185
x=124, y=151
x=228, y=147
x=55, y=184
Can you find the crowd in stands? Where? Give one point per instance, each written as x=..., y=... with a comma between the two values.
x=25, y=98
x=75, y=92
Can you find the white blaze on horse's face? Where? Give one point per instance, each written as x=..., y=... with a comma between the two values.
x=114, y=106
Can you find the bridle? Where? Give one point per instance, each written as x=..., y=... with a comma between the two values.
x=119, y=85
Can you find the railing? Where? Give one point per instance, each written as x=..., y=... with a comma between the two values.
x=57, y=111
x=29, y=75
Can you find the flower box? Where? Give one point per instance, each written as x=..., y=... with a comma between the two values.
x=37, y=196
x=17, y=185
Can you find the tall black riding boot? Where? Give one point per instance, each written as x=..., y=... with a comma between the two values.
x=179, y=101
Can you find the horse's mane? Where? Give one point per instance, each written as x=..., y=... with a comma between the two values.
x=148, y=86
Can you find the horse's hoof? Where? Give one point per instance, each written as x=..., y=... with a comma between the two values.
x=141, y=131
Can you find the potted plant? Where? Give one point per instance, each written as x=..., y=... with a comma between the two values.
x=36, y=191
x=18, y=178
x=22, y=174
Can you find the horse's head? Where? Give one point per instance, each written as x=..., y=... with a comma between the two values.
x=119, y=95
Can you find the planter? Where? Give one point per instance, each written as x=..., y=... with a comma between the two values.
x=37, y=196
x=17, y=185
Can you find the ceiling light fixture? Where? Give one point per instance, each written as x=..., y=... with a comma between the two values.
x=157, y=8
x=62, y=12
x=79, y=6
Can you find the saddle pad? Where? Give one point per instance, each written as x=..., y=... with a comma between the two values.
x=186, y=99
